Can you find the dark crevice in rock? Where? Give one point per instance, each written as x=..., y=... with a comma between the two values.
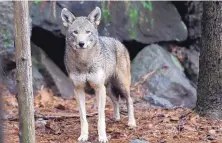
x=190, y=13
x=133, y=47
x=8, y=66
x=53, y=45
x=182, y=8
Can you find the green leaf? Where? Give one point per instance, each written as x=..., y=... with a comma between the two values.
x=177, y=63
x=132, y=35
x=148, y=5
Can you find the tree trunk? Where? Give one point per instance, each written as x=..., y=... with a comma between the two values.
x=1, y=104
x=24, y=72
x=209, y=92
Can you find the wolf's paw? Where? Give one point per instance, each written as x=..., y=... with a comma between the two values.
x=83, y=138
x=103, y=139
x=132, y=124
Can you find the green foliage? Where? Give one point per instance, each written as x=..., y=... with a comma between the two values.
x=177, y=63
x=106, y=15
x=6, y=40
x=105, y=12
x=37, y=1
x=133, y=13
x=148, y=5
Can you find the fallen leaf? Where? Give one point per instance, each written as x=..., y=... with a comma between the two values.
x=54, y=127
x=174, y=118
x=11, y=101
x=189, y=128
x=44, y=98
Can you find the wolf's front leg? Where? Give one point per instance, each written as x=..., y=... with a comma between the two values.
x=101, y=99
x=96, y=81
x=80, y=96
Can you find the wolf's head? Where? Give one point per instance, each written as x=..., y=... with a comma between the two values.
x=82, y=32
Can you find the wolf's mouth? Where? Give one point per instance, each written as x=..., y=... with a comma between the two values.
x=78, y=47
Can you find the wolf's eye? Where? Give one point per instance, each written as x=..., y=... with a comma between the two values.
x=88, y=32
x=75, y=32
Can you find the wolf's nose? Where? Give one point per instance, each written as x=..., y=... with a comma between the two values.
x=81, y=44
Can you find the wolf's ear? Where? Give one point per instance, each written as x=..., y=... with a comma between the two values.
x=67, y=17
x=95, y=16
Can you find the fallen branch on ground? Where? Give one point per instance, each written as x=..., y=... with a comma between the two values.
x=62, y=116
x=47, y=117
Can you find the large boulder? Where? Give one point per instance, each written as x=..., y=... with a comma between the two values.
x=145, y=21
x=7, y=26
x=167, y=88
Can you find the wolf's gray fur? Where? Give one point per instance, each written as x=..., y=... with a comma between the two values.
x=98, y=63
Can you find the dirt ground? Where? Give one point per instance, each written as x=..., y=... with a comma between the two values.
x=154, y=125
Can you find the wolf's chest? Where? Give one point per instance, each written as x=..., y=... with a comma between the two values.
x=94, y=79
x=75, y=63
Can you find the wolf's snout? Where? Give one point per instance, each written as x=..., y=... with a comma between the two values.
x=81, y=44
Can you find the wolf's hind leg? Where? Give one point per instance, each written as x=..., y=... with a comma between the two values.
x=123, y=85
x=115, y=100
x=130, y=108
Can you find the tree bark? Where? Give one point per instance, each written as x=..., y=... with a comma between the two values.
x=24, y=72
x=1, y=104
x=209, y=92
